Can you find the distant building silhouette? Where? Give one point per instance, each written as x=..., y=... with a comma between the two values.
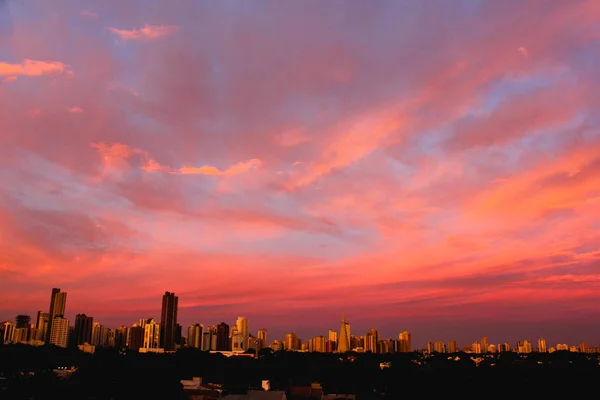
x=41, y=325
x=83, y=329
x=168, y=321
x=223, y=342
x=58, y=302
x=22, y=321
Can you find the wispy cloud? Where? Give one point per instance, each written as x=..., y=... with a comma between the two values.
x=236, y=169
x=75, y=110
x=146, y=32
x=88, y=14
x=119, y=151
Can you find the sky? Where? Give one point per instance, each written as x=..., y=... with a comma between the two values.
x=430, y=166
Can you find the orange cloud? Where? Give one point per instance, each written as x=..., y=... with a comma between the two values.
x=236, y=169
x=146, y=32
x=32, y=68
x=75, y=110
x=120, y=152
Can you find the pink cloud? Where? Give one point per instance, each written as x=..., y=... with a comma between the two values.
x=236, y=169
x=146, y=32
x=88, y=14
x=75, y=110
x=430, y=176
x=32, y=68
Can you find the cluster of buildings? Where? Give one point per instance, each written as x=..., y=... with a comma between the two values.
x=523, y=347
x=166, y=335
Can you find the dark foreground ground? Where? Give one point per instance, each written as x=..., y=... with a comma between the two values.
x=27, y=373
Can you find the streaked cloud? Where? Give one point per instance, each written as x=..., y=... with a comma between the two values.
x=146, y=32
x=408, y=177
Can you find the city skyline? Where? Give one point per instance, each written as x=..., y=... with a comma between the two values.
x=82, y=328
x=429, y=166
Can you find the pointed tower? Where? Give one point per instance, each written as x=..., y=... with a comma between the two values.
x=344, y=339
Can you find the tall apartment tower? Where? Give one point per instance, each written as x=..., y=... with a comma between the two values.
x=168, y=321
x=542, y=345
x=405, y=342
x=58, y=301
x=59, y=333
x=242, y=327
x=41, y=325
x=223, y=341
x=484, y=344
x=195, y=336
x=262, y=337
x=372, y=341
x=344, y=338
x=152, y=334
x=83, y=329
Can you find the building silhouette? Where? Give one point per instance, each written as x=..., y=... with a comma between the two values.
x=223, y=342
x=168, y=321
x=22, y=321
x=58, y=302
x=82, y=332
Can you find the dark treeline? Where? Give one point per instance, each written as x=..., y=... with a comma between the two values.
x=111, y=374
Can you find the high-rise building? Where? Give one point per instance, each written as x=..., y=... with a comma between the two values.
x=83, y=329
x=8, y=332
x=343, y=345
x=542, y=345
x=524, y=347
x=223, y=342
x=195, y=335
x=476, y=348
x=372, y=341
x=237, y=340
x=152, y=335
x=291, y=342
x=209, y=341
x=440, y=347
x=430, y=347
x=405, y=342
x=262, y=337
x=41, y=325
x=58, y=302
x=333, y=335
x=59, y=333
x=484, y=344
x=22, y=321
x=136, y=337
x=168, y=321
x=318, y=344
x=452, y=346
x=99, y=335
x=584, y=347
x=242, y=327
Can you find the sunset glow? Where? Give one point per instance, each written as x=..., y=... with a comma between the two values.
x=431, y=166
